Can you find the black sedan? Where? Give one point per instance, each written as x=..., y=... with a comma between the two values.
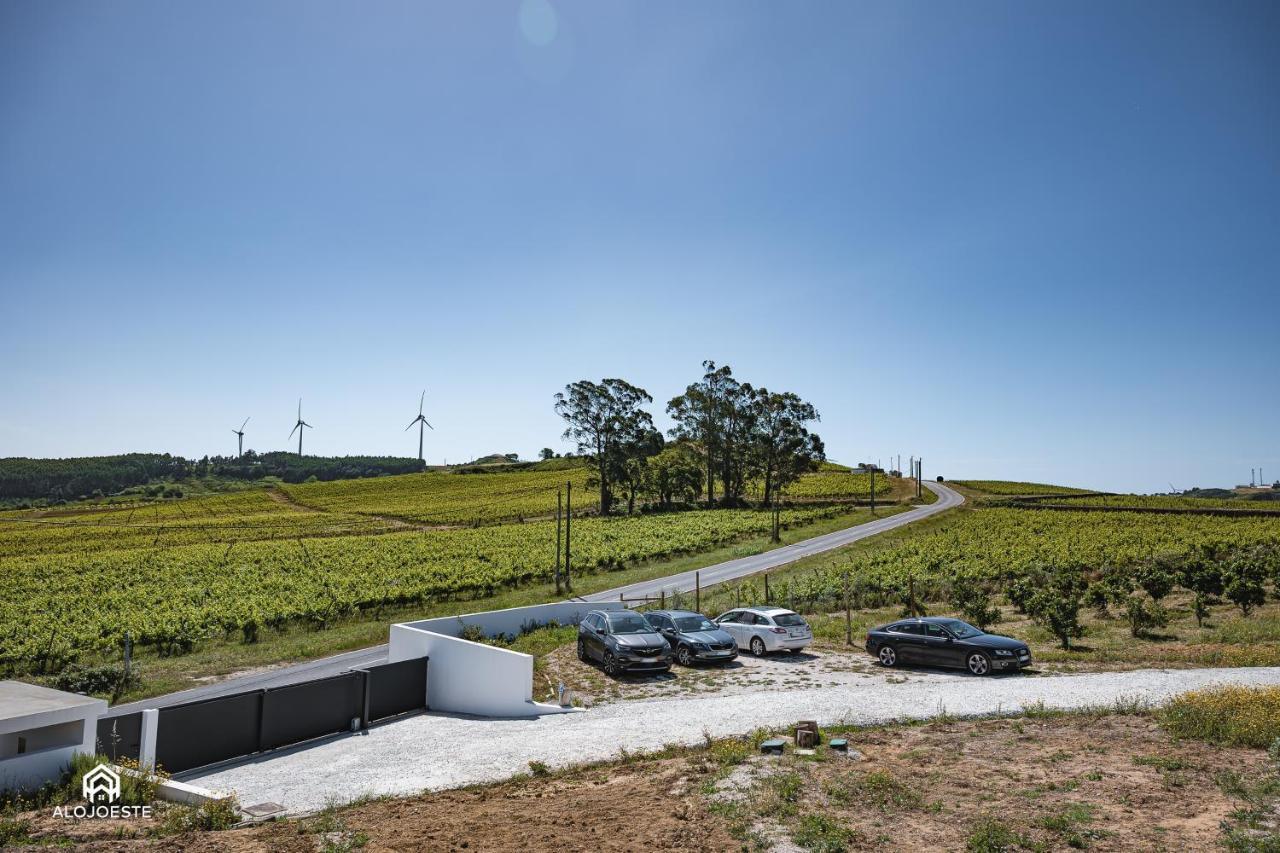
x=935, y=641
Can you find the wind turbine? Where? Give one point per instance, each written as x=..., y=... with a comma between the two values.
x=420, y=420
x=299, y=427
x=240, y=437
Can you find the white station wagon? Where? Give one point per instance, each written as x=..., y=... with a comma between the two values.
x=766, y=629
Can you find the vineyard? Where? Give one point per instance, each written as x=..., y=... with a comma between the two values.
x=59, y=606
x=439, y=498
x=1171, y=502
x=237, y=517
x=1009, y=487
x=993, y=548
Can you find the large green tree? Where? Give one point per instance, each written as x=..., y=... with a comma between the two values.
x=607, y=421
x=782, y=448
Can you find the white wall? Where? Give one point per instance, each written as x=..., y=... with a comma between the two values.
x=513, y=619
x=470, y=678
x=33, y=769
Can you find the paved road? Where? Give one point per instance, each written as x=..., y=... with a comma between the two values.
x=742, y=567
x=435, y=751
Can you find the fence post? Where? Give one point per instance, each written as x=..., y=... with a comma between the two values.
x=848, y=616
x=147, y=739
x=365, y=704
x=662, y=599
x=697, y=591
x=766, y=588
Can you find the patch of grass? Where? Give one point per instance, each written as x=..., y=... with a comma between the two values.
x=1234, y=716
x=878, y=788
x=991, y=835
x=781, y=793
x=1161, y=762
x=539, y=768
x=821, y=834
x=213, y=816
x=728, y=753
x=1070, y=824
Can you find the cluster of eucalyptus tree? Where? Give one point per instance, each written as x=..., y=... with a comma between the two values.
x=730, y=439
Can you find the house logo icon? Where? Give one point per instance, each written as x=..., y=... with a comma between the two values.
x=101, y=784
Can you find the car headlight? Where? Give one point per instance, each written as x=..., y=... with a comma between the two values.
x=1004, y=653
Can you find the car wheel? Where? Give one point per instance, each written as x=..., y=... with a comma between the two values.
x=888, y=656
x=757, y=647
x=683, y=656
x=610, y=664
x=978, y=663
x=582, y=650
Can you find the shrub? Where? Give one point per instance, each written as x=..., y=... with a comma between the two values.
x=972, y=598
x=212, y=816
x=1235, y=716
x=77, y=678
x=1055, y=602
x=1244, y=576
x=1143, y=616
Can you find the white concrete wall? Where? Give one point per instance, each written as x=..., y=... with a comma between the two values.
x=512, y=620
x=31, y=770
x=470, y=678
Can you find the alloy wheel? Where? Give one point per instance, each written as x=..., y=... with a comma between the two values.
x=582, y=650
x=978, y=664
x=683, y=656
x=757, y=647
x=888, y=657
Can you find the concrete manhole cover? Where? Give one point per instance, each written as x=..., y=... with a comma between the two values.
x=263, y=809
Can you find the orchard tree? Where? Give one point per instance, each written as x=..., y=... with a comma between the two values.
x=1055, y=599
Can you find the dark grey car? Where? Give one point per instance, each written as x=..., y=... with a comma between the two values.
x=693, y=637
x=623, y=641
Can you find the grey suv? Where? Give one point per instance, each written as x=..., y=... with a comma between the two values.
x=623, y=642
x=693, y=637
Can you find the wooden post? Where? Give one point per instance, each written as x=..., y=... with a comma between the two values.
x=848, y=614
x=568, y=533
x=775, y=537
x=697, y=591
x=766, y=588
x=737, y=595
x=873, y=491
x=559, y=509
x=662, y=600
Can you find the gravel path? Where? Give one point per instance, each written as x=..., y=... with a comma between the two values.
x=432, y=751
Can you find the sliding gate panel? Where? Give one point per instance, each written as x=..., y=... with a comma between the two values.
x=298, y=712
x=200, y=733
x=395, y=688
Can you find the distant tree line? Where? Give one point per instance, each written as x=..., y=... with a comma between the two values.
x=69, y=479
x=728, y=436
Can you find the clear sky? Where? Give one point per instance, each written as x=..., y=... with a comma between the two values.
x=1025, y=240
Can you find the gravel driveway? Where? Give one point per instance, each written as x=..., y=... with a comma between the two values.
x=432, y=751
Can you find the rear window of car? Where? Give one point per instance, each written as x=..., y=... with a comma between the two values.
x=906, y=628
x=789, y=620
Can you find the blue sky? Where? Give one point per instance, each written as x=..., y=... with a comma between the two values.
x=1025, y=240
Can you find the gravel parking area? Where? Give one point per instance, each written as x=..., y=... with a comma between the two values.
x=431, y=751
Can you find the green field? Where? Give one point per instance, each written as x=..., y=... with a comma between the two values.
x=1012, y=487
x=1170, y=502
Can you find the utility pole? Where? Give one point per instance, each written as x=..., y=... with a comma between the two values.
x=848, y=614
x=568, y=532
x=559, y=508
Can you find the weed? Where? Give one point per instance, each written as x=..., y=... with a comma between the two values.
x=1161, y=762
x=211, y=816
x=538, y=768
x=990, y=835
x=1236, y=716
x=821, y=834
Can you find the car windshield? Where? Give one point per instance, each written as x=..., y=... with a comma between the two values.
x=789, y=620
x=960, y=629
x=694, y=623
x=629, y=623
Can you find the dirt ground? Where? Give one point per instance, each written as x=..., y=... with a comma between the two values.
x=1099, y=782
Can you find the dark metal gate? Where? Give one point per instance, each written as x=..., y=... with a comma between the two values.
x=195, y=734
x=120, y=737
x=395, y=688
